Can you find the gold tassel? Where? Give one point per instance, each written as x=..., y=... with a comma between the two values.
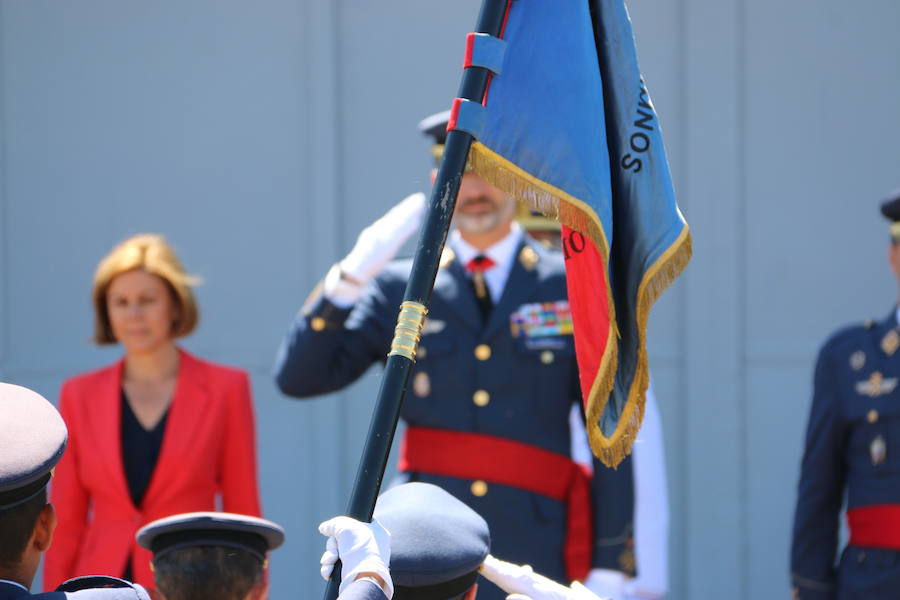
x=576, y=214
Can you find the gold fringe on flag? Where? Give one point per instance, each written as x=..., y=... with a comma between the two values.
x=576, y=214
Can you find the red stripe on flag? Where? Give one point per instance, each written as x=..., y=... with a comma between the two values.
x=470, y=48
x=487, y=87
x=454, y=114
x=586, y=279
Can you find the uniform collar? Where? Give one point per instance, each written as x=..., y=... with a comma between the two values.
x=14, y=583
x=502, y=253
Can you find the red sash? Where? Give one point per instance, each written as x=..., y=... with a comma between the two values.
x=875, y=526
x=505, y=462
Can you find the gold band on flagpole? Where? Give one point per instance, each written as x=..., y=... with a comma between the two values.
x=408, y=331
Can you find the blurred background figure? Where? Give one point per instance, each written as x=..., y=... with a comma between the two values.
x=157, y=433
x=851, y=449
x=651, y=495
x=210, y=555
x=651, y=510
x=651, y=502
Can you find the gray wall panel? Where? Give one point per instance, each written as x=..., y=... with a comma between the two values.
x=776, y=423
x=712, y=191
x=821, y=151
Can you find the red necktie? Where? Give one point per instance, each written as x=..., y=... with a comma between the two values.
x=477, y=266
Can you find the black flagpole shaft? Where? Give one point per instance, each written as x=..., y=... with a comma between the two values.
x=418, y=289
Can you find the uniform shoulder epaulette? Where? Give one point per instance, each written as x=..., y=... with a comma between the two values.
x=846, y=334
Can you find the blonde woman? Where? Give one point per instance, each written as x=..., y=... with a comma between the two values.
x=157, y=433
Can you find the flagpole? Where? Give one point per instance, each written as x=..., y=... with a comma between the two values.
x=418, y=295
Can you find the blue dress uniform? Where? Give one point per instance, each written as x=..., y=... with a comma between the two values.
x=512, y=378
x=852, y=444
x=853, y=448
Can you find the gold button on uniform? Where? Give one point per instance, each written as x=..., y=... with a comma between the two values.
x=421, y=353
x=482, y=352
x=547, y=357
x=481, y=398
x=479, y=488
x=317, y=323
x=872, y=417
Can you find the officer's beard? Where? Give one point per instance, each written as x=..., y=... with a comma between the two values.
x=487, y=221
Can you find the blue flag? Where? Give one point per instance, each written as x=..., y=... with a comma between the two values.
x=569, y=129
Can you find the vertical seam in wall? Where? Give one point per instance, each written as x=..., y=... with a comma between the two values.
x=741, y=239
x=340, y=203
x=4, y=213
x=682, y=331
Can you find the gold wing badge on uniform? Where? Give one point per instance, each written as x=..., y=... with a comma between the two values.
x=876, y=385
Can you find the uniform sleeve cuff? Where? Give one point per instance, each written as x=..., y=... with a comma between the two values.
x=321, y=314
x=615, y=557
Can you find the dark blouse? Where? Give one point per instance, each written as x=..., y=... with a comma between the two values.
x=140, y=450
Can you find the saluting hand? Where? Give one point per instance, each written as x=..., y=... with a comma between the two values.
x=375, y=247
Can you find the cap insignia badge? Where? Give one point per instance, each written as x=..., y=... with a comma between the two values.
x=876, y=385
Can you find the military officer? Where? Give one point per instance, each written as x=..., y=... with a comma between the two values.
x=32, y=440
x=495, y=377
x=852, y=448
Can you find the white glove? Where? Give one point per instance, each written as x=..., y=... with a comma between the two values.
x=376, y=245
x=606, y=582
x=520, y=581
x=361, y=547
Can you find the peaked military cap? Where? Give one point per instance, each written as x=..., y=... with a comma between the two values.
x=890, y=208
x=32, y=440
x=435, y=126
x=437, y=542
x=187, y=530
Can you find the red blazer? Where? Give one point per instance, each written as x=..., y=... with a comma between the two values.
x=208, y=447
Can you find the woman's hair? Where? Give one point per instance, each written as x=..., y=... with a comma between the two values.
x=151, y=253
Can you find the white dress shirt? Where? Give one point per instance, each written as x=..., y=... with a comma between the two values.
x=503, y=253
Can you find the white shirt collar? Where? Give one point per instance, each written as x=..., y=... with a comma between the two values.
x=503, y=253
x=14, y=583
